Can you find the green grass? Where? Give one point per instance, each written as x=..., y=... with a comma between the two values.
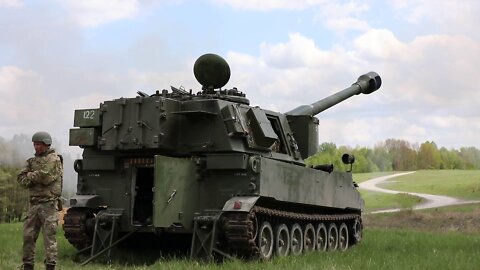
x=380, y=201
x=362, y=177
x=380, y=249
x=413, y=244
x=456, y=183
x=462, y=208
x=460, y=218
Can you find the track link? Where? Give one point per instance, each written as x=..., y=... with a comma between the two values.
x=76, y=227
x=240, y=227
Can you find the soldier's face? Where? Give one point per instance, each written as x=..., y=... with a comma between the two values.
x=40, y=147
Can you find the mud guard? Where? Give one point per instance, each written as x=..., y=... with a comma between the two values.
x=90, y=201
x=240, y=204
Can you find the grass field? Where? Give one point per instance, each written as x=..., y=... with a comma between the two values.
x=381, y=249
x=443, y=238
x=362, y=177
x=379, y=201
x=459, y=218
x=456, y=183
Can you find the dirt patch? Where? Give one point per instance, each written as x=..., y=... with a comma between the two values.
x=436, y=220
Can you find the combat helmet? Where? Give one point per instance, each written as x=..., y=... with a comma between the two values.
x=42, y=136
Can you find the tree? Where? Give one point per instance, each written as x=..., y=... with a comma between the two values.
x=327, y=147
x=471, y=157
x=13, y=198
x=363, y=160
x=327, y=154
x=428, y=156
x=402, y=154
x=450, y=159
x=381, y=158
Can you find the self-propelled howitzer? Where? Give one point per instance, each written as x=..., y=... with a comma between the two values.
x=210, y=168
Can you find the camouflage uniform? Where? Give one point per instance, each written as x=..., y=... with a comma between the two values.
x=42, y=176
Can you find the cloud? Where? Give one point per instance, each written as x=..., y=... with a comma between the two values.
x=92, y=13
x=299, y=51
x=430, y=69
x=284, y=69
x=380, y=44
x=265, y=5
x=436, y=11
x=26, y=108
x=335, y=15
x=429, y=87
x=356, y=131
x=18, y=89
x=11, y=3
x=449, y=17
x=343, y=17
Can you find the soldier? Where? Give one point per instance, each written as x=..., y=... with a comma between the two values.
x=43, y=176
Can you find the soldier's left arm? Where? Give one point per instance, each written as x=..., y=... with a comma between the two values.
x=51, y=171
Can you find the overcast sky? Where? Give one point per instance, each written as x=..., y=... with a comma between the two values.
x=60, y=55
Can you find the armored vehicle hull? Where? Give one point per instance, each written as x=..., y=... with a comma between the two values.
x=230, y=177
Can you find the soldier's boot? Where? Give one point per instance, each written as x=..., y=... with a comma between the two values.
x=27, y=266
x=49, y=266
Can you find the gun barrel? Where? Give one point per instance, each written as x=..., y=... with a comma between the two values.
x=365, y=84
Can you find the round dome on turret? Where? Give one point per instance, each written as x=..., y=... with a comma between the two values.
x=211, y=71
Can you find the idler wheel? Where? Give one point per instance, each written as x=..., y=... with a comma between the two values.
x=356, y=231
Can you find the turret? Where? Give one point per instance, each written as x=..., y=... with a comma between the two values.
x=305, y=126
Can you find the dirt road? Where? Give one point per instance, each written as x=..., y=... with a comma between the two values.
x=431, y=201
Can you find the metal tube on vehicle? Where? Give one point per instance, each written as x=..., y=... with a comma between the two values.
x=365, y=84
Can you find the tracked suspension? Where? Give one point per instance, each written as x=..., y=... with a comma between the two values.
x=238, y=232
x=77, y=223
x=241, y=228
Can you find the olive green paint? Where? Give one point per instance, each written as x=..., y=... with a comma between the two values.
x=176, y=192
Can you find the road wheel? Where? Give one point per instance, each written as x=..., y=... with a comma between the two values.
x=309, y=238
x=321, y=237
x=356, y=232
x=343, y=237
x=296, y=239
x=282, y=240
x=265, y=240
x=332, y=236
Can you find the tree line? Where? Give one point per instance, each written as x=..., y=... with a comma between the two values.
x=390, y=155
x=399, y=155
x=13, y=197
